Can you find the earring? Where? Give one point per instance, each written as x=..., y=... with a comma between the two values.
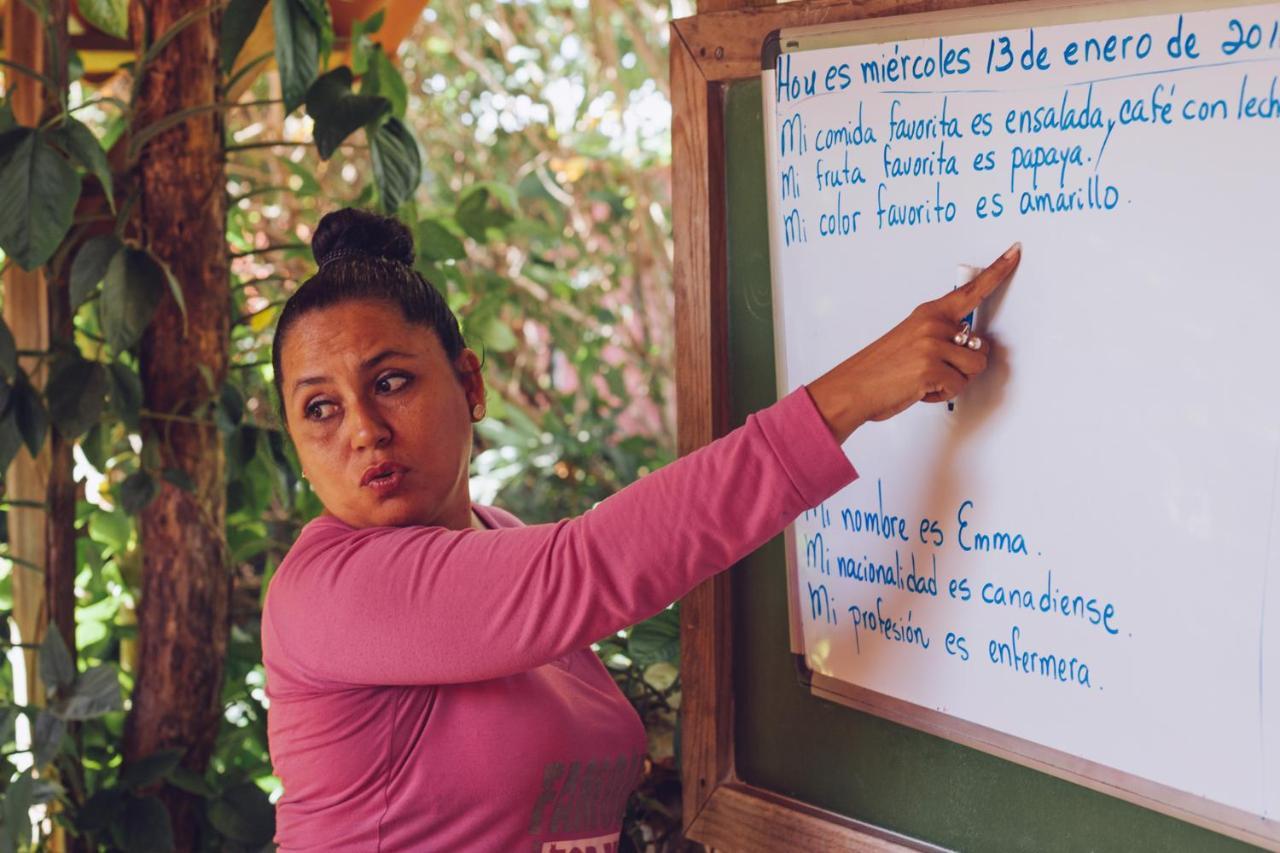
x=477, y=412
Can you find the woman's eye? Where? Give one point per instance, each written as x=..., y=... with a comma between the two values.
x=391, y=382
x=317, y=410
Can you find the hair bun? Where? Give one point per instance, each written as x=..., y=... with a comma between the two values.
x=353, y=230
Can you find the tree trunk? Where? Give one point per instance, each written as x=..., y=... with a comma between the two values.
x=60, y=531
x=183, y=617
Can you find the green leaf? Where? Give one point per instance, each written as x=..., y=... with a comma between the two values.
x=111, y=529
x=299, y=41
x=338, y=112
x=482, y=207
x=238, y=22
x=137, y=490
x=397, y=168
x=33, y=420
x=230, y=409
x=97, y=812
x=44, y=791
x=361, y=43
x=131, y=290
x=90, y=266
x=7, y=121
x=382, y=78
x=80, y=143
x=438, y=243
x=10, y=439
x=497, y=336
x=151, y=769
x=75, y=66
x=97, y=447
x=125, y=390
x=57, y=670
x=8, y=352
x=76, y=393
x=17, y=805
x=47, y=740
x=374, y=22
x=38, y=194
x=146, y=827
x=96, y=692
x=245, y=448
x=110, y=16
x=243, y=813
x=191, y=782
x=179, y=478
x=656, y=639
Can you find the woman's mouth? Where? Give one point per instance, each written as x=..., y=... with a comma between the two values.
x=383, y=478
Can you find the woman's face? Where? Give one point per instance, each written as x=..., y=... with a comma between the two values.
x=380, y=417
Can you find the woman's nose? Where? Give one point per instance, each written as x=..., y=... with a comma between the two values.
x=368, y=428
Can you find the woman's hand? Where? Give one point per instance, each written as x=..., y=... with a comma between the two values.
x=917, y=360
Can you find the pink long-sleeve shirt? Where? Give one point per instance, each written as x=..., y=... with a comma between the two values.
x=434, y=689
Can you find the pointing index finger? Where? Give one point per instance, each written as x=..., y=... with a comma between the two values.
x=959, y=302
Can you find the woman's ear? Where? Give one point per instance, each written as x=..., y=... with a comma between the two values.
x=467, y=365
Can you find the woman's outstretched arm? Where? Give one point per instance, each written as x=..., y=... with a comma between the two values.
x=429, y=605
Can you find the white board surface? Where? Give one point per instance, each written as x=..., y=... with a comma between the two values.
x=1105, y=497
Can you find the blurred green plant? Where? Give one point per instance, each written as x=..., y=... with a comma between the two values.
x=527, y=147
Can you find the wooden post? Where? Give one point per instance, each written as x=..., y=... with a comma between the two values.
x=26, y=311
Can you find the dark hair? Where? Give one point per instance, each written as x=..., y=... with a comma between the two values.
x=362, y=255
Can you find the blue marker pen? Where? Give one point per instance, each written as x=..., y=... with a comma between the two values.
x=964, y=274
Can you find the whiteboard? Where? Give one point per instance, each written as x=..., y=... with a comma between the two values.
x=1078, y=567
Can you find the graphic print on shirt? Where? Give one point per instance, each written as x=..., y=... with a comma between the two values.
x=581, y=798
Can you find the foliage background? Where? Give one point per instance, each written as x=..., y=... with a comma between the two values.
x=543, y=214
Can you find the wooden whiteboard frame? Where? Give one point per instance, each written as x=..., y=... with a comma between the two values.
x=708, y=51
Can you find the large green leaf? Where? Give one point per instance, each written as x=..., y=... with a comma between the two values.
x=125, y=393
x=137, y=490
x=151, y=769
x=96, y=692
x=131, y=290
x=243, y=813
x=299, y=43
x=76, y=393
x=38, y=194
x=10, y=438
x=360, y=42
x=8, y=352
x=230, y=410
x=49, y=732
x=437, y=243
x=17, y=807
x=110, y=16
x=28, y=409
x=656, y=639
x=237, y=23
x=145, y=826
x=338, y=112
x=80, y=144
x=382, y=78
x=56, y=667
x=90, y=266
x=97, y=812
x=397, y=167
x=482, y=207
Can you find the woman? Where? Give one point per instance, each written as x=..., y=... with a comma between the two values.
x=428, y=660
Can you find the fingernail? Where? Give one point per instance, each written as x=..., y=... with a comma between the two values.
x=1011, y=251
